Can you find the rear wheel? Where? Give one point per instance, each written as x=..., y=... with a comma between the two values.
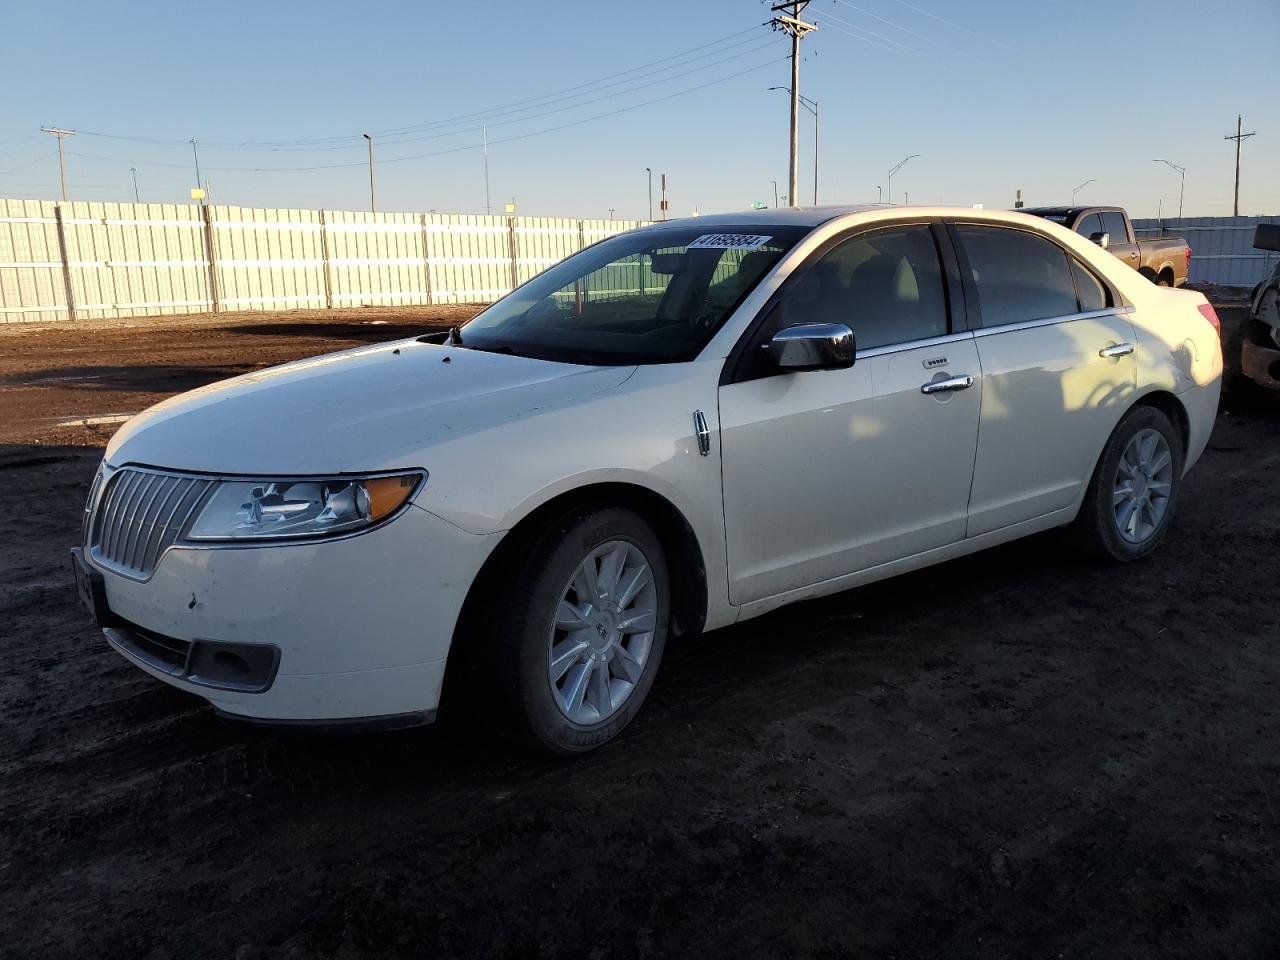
x=1133, y=493
x=581, y=631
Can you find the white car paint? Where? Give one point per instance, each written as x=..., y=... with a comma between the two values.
x=815, y=481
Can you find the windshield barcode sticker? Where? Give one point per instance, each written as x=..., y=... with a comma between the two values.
x=728, y=241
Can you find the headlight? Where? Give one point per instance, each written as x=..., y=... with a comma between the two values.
x=276, y=509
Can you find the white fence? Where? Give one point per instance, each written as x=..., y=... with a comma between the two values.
x=1221, y=247
x=67, y=261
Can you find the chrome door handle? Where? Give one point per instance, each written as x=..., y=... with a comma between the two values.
x=951, y=383
x=1116, y=350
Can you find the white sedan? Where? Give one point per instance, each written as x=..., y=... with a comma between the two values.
x=676, y=429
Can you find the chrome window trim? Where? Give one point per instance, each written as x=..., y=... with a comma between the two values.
x=891, y=348
x=179, y=543
x=1051, y=321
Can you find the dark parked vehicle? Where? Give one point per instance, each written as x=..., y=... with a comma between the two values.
x=1162, y=260
x=1260, y=351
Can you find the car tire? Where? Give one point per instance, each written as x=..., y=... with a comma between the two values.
x=549, y=617
x=1133, y=494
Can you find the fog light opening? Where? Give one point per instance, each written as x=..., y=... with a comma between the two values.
x=230, y=664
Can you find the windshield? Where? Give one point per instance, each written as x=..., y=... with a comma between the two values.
x=651, y=296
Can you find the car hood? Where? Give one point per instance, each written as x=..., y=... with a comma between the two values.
x=373, y=408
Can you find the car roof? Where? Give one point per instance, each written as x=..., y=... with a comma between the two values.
x=1063, y=211
x=781, y=216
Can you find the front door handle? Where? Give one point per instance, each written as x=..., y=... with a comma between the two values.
x=951, y=383
x=1116, y=350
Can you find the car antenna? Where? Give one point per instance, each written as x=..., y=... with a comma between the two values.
x=455, y=337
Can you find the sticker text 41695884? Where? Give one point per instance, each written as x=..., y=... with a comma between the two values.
x=728, y=241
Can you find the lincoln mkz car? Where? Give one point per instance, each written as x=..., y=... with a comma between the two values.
x=674, y=430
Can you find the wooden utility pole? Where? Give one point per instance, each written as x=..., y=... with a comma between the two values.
x=373, y=206
x=1235, y=207
x=789, y=22
x=62, y=166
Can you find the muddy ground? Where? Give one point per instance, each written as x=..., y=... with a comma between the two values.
x=1014, y=755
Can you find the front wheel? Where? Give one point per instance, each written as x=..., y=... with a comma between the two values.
x=1130, y=501
x=582, y=630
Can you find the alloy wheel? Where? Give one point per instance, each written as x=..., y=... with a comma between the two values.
x=602, y=632
x=1143, y=482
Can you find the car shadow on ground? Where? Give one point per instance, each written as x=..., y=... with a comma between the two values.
x=368, y=331
x=148, y=377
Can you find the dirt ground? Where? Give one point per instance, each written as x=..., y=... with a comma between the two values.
x=1013, y=755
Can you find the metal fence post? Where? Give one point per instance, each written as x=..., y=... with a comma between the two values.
x=324, y=262
x=515, y=252
x=582, y=234
x=426, y=256
x=206, y=214
x=66, y=262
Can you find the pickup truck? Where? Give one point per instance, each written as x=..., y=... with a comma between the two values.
x=1163, y=260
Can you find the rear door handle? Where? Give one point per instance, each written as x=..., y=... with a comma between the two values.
x=951, y=383
x=1116, y=350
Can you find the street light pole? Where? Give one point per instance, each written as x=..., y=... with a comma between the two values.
x=196, y=153
x=888, y=190
x=775, y=193
x=1182, y=172
x=134, y=172
x=484, y=132
x=649, y=171
x=1081, y=187
x=373, y=207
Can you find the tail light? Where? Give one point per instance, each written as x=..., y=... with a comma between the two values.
x=1207, y=311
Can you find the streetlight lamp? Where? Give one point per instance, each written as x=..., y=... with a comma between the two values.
x=812, y=107
x=888, y=190
x=1182, y=172
x=1081, y=187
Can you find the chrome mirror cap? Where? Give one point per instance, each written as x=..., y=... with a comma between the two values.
x=812, y=346
x=1101, y=239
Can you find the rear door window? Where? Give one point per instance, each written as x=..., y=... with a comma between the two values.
x=1089, y=224
x=1019, y=276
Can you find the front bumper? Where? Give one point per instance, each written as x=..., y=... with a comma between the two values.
x=359, y=627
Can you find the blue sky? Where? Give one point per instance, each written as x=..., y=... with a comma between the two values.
x=993, y=96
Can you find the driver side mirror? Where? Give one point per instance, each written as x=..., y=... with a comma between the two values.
x=812, y=346
x=1101, y=239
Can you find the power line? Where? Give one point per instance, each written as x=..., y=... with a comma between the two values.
x=500, y=109
x=952, y=23
x=878, y=36
x=898, y=26
x=856, y=36
x=437, y=153
x=534, y=116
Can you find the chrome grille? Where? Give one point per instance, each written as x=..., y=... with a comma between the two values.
x=141, y=513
